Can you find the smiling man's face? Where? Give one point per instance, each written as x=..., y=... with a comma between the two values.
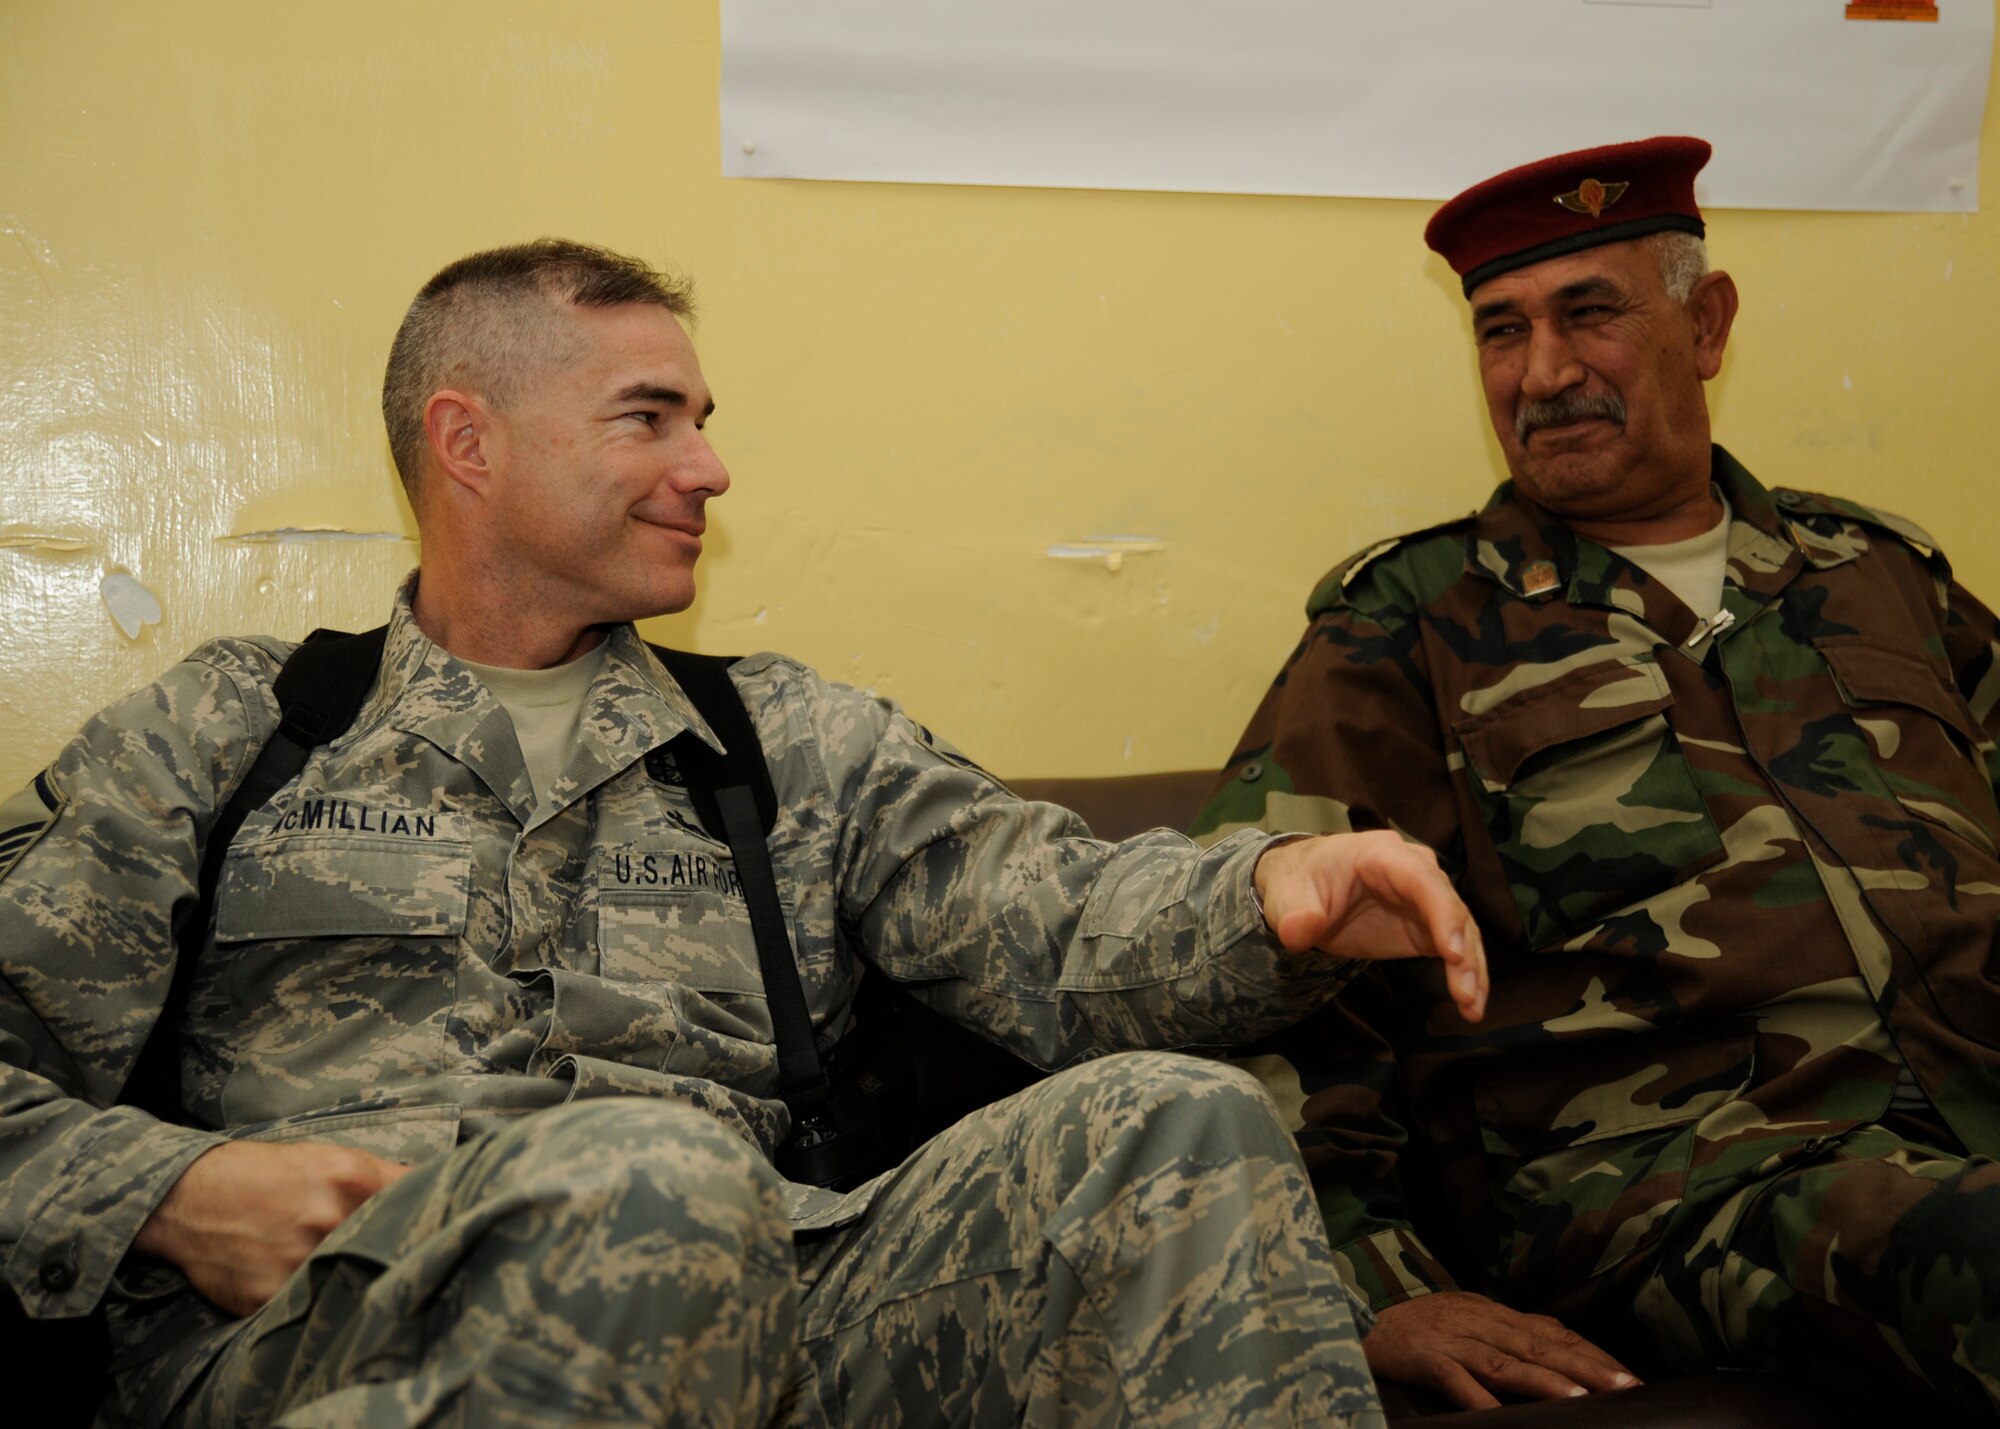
x=1593, y=378
x=607, y=471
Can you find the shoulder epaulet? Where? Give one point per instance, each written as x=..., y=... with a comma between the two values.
x=1328, y=592
x=1808, y=504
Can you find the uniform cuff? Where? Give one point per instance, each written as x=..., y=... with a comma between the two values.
x=1236, y=918
x=86, y=1220
x=1391, y=1266
x=1256, y=898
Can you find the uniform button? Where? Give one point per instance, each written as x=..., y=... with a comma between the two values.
x=57, y=1275
x=1251, y=773
x=1815, y=1145
x=1789, y=498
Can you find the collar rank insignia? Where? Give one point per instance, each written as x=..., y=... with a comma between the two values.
x=1539, y=578
x=662, y=769
x=1592, y=197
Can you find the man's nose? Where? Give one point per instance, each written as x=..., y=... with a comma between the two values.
x=701, y=469
x=1552, y=366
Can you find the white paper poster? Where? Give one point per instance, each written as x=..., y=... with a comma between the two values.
x=1810, y=103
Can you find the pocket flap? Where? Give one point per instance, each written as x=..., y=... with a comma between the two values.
x=671, y=916
x=319, y=886
x=1874, y=674
x=409, y=1134
x=1593, y=700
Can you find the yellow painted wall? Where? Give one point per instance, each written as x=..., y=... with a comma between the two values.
x=213, y=213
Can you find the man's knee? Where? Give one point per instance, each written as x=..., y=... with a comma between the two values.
x=650, y=1222
x=1152, y=1079
x=1168, y=1100
x=584, y=1260
x=634, y=1169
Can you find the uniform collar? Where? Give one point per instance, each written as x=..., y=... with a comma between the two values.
x=633, y=707
x=1528, y=551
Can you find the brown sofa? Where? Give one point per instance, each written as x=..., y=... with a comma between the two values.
x=1119, y=807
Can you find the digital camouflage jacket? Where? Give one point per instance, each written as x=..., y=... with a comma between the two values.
x=406, y=950
x=1733, y=876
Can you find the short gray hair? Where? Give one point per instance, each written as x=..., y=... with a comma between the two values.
x=485, y=320
x=1683, y=261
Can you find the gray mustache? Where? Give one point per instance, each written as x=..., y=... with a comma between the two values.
x=1531, y=417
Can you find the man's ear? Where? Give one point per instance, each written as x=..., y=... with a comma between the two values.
x=1712, y=305
x=458, y=426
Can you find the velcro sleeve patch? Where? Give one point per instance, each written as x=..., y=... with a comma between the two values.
x=25, y=818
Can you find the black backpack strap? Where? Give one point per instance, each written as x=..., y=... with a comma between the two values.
x=704, y=679
x=319, y=691
x=732, y=794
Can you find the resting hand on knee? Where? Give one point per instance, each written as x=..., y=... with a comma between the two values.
x=245, y=1215
x=1372, y=895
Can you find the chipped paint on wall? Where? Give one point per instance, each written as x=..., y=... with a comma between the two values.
x=132, y=606
x=1112, y=550
x=47, y=543
x=301, y=535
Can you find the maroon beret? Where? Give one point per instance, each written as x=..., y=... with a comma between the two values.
x=1567, y=204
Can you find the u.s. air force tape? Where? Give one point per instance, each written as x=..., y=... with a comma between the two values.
x=25, y=818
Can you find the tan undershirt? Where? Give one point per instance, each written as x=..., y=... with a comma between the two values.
x=546, y=707
x=1692, y=569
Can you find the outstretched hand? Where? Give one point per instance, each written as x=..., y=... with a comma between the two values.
x=1373, y=895
x=1469, y=1349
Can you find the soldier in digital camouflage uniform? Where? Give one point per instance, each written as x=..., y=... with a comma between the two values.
x=1733, y=852
x=534, y=983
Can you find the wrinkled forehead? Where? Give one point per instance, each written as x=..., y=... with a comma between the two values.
x=1628, y=267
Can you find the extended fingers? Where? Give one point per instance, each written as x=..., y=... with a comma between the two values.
x=1503, y=1373
x=1336, y=881
x=1409, y=874
x=1555, y=1345
x=1445, y=1375
x=1535, y=1357
x=1375, y=895
x=1470, y=1348
x=1471, y=1371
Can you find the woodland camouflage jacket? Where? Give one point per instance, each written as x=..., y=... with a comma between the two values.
x=1733, y=875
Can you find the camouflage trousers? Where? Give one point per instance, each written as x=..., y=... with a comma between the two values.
x=1129, y=1242
x=1875, y=1261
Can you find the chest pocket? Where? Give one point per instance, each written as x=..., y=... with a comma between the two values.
x=1589, y=800
x=1921, y=733
x=321, y=885
x=677, y=916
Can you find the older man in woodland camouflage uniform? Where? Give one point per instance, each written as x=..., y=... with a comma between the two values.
x=478, y=1068
x=1713, y=765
